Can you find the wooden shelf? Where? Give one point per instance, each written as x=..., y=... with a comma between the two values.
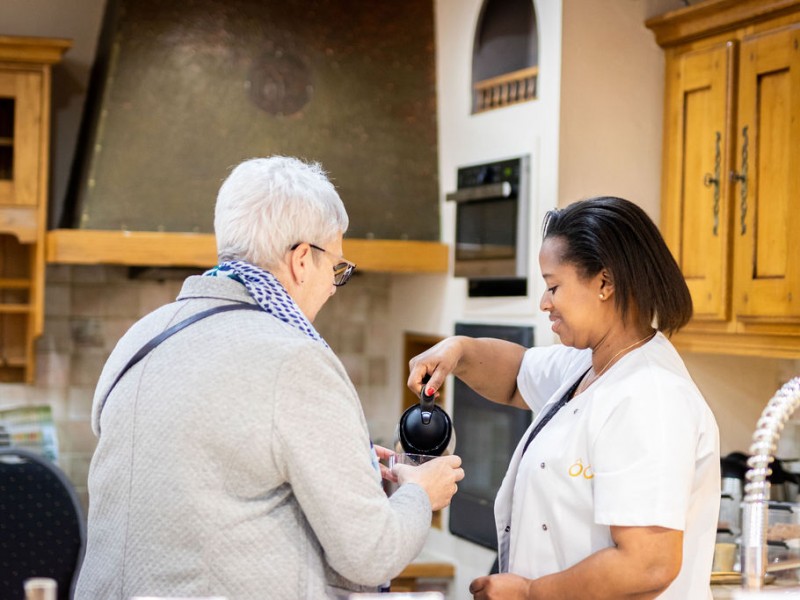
x=33, y=49
x=14, y=362
x=15, y=309
x=15, y=284
x=20, y=221
x=408, y=579
x=159, y=249
x=429, y=569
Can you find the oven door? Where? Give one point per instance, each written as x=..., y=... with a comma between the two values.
x=486, y=231
x=487, y=435
x=486, y=238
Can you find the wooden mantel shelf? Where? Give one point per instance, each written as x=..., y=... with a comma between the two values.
x=158, y=249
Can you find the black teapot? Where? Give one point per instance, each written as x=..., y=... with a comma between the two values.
x=425, y=428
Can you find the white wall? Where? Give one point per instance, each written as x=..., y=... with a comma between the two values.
x=528, y=128
x=432, y=304
x=611, y=104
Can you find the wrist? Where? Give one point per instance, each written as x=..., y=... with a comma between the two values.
x=461, y=345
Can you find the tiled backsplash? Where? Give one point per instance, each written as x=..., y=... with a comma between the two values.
x=88, y=308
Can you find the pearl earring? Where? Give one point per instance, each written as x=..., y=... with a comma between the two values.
x=602, y=296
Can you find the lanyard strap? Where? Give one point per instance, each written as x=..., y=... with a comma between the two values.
x=552, y=412
x=145, y=350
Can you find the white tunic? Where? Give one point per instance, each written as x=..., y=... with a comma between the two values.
x=640, y=447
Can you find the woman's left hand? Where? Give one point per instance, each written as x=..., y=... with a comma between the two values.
x=384, y=454
x=505, y=586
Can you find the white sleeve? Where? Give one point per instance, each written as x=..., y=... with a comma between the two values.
x=644, y=453
x=544, y=369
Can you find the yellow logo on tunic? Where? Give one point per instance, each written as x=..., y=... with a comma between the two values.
x=577, y=469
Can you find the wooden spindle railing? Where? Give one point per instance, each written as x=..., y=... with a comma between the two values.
x=506, y=89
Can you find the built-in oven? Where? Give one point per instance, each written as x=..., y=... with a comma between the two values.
x=487, y=433
x=491, y=237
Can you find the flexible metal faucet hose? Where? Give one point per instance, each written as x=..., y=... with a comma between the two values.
x=756, y=490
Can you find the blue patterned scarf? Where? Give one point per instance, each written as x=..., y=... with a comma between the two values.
x=270, y=295
x=268, y=292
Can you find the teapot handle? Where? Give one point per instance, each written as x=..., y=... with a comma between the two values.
x=426, y=403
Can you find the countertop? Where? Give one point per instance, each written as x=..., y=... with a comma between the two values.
x=788, y=590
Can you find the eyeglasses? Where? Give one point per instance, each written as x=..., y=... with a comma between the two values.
x=342, y=271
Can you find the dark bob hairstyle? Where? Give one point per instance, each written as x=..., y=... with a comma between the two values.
x=616, y=235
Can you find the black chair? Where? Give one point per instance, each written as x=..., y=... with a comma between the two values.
x=42, y=525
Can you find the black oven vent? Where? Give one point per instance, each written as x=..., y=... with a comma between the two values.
x=483, y=288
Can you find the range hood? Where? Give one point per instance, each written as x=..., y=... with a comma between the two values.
x=178, y=97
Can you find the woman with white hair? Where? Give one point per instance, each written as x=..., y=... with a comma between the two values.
x=233, y=456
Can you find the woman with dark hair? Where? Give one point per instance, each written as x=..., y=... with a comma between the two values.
x=614, y=490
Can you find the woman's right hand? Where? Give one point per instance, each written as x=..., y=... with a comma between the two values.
x=437, y=477
x=487, y=365
x=437, y=362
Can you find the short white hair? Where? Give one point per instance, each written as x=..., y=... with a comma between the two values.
x=266, y=205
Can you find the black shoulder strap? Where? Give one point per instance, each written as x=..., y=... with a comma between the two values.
x=552, y=412
x=145, y=350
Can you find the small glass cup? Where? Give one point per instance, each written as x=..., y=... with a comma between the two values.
x=40, y=588
x=405, y=458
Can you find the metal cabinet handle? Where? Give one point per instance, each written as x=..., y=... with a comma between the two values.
x=741, y=177
x=481, y=192
x=708, y=181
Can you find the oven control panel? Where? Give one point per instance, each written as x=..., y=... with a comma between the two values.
x=487, y=173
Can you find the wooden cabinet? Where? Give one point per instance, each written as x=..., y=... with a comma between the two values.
x=24, y=146
x=731, y=171
x=424, y=577
x=767, y=223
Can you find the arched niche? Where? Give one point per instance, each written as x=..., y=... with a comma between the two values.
x=505, y=55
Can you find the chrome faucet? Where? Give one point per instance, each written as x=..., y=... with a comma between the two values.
x=756, y=492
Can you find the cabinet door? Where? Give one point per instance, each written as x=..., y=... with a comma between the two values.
x=696, y=213
x=21, y=137
x=767, y=195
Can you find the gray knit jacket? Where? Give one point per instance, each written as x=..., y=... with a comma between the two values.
x=234, y=460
